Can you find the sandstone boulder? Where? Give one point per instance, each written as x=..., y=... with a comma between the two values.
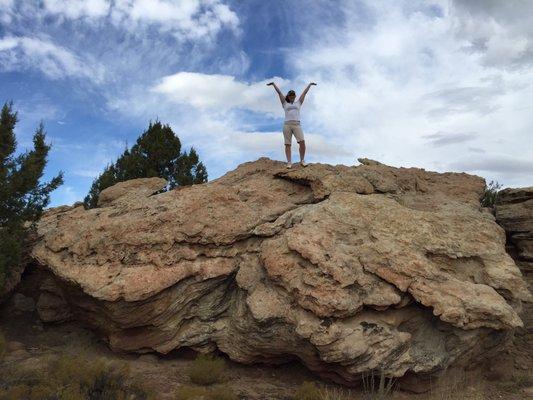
x=348, y=269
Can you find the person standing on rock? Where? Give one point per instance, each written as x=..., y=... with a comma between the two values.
x=292, y=121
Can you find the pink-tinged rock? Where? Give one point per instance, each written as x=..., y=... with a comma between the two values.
x=348, y=269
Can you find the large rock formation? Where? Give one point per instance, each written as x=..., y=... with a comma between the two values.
x=514, y=212
x=348, y=269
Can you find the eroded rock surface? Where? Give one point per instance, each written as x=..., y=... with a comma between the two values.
x=514, y=212
x=346, y=268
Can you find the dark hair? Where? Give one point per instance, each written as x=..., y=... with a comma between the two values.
x=288, y=94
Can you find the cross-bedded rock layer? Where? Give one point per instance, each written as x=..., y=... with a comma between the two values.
x=348, y=269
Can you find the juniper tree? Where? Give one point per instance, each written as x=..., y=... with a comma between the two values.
x=157, y=153
x=22, y=196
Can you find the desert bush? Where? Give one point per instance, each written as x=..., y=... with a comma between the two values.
x=221, y=392
x=70, y=378
x=308, y=391
x=491, y=194
x=206, y=370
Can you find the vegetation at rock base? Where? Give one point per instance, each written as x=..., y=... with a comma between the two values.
x=206, y=370
x=377, y=386
x=221, y=392
x=73, y=378
x=491, y=194
x=157, y=153
x=22, y=196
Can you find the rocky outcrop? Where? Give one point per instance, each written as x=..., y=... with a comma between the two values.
x=514, y=212
x=348, y=269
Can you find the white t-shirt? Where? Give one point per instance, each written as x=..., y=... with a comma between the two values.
x=292, y=110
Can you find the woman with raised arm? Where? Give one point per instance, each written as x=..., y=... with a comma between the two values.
x=292, y=121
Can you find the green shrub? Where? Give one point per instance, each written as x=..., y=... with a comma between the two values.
x=308, y=391
x=206, y=370
x=491, y=194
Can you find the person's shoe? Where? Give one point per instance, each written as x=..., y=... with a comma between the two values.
x=289, y=165
x=303, y=164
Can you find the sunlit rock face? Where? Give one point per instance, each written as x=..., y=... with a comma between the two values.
x=348, y=269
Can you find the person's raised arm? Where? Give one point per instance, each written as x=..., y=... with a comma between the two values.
x=302, y=96
x=281, y=97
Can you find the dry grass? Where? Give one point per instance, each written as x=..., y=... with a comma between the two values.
x=221, y=392
x=310, y=391
x=377, y=386
x=71, y=378
x=206, y=370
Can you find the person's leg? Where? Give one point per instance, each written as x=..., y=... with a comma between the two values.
x=299, y=134
x=287, y=136
x=288, y=152
x=302, y=151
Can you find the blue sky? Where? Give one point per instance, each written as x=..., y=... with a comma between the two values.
x=442, y=85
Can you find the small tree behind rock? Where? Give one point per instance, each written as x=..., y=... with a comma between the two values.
x=157, y=153
x=491, y=194
x=22, y=196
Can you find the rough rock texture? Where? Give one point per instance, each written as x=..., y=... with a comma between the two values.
x=348, y=269
x=514, y=212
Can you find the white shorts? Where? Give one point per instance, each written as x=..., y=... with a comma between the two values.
x=292, y=128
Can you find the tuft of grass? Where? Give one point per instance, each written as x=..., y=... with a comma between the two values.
x=308, y=391
x=221, y=392
x=336, y=394
x=72, y=378
x=377, y=386
x=206, y=370
x=491, y=194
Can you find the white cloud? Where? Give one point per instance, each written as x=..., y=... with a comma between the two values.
x=382, y=88
x=77, y=8
x=54, y=61
x=184, y=19
x=219, y=92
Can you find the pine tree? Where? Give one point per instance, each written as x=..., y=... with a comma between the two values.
x=157, y=153
x=22, y=196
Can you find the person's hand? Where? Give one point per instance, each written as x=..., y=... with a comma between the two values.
x=270, y=84
x=313, y=83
